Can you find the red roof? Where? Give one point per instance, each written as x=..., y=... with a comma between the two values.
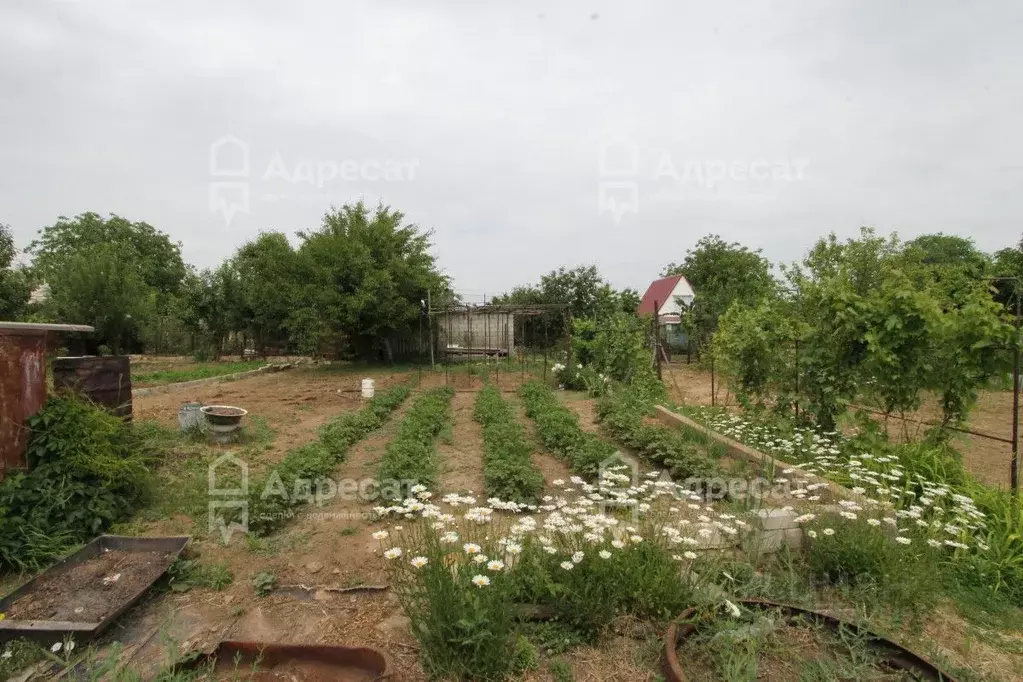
x=659, y=291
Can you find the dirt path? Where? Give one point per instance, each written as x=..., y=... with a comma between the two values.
x=461, y=458
x=583, y=406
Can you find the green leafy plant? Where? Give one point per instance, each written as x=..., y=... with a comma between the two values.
x=508, y=471
x=559, y=431
x=411, y=456
x=264, y=583
x=314, y=461
x=88, y=471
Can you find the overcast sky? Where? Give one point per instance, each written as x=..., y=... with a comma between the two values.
x=528, y=135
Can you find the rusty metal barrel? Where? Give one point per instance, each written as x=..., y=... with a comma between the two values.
x=105, y=380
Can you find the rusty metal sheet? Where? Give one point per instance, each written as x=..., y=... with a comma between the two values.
x=22, y=391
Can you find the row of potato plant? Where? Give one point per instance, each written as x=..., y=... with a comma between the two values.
x=559, y=431
x=412, y=455
x=314, y=461
x=508, y=471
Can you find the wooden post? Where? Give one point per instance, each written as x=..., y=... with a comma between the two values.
x=657, y=339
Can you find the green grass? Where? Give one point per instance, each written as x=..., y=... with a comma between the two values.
x=203, y=370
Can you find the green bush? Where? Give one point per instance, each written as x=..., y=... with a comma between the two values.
x=411, y=456
x=87, y=470
x=558, y=429
x=508, y=471
x=314, y=461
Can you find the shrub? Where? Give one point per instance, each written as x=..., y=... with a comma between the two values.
x=508, y=471
x=411, y=456
x=87, y=471
x=558, y=429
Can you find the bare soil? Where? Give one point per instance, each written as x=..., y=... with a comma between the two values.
x=294, y=403
x=461, y=459
x=91, y=590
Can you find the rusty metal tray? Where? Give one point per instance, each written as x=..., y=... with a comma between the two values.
x=48, y=631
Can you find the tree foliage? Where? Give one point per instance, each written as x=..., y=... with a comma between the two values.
x=364, y=275
x=721, y=273
x=15, y=284
x=151, y=253
x=870, y=319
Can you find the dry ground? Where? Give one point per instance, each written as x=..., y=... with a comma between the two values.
x=986, y=459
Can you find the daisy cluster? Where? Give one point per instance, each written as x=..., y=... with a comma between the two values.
x=580, y=522
x=943, y=517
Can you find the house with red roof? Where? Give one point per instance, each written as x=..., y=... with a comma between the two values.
x=670, y=295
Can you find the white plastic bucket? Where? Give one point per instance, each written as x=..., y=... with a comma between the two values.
x=368, y=388
x=190, y=416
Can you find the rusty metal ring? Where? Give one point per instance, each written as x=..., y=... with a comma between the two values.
x=893, y=654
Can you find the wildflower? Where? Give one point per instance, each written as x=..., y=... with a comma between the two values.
x=934, y=543
x=689, y=555
x=902, y=540
x=419, y=562
x=480, y=581
x=558, y=482
x=495, y=566
x=480, y=559
x=449, y=538
x=636, y=539
x=873, y=522
x=604, y=554
x=567, y=565
x=828, y=531
x=733, y=609
x=812, y=534
x=393, y=553
x=513, y=548
x=5, y=655
x=56, y=647
x=577, y=557
x=380, y=535
x=617, y=544
x=472, y=548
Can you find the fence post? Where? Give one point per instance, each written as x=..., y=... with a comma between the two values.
x=797, y=380
x=713, y=389
x=656, y=339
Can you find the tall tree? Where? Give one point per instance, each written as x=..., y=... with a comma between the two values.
x=267, y=270
x=721, y=274
x=99, y=285
x=15, y=287
x=364, y=274
x=151, y=253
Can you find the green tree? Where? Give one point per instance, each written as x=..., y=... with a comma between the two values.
x=15, y=284
x=721, y=274
x=267, y=270
x=100, y=286
x=151, y=253
x=213, y=307
x=364, y=274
